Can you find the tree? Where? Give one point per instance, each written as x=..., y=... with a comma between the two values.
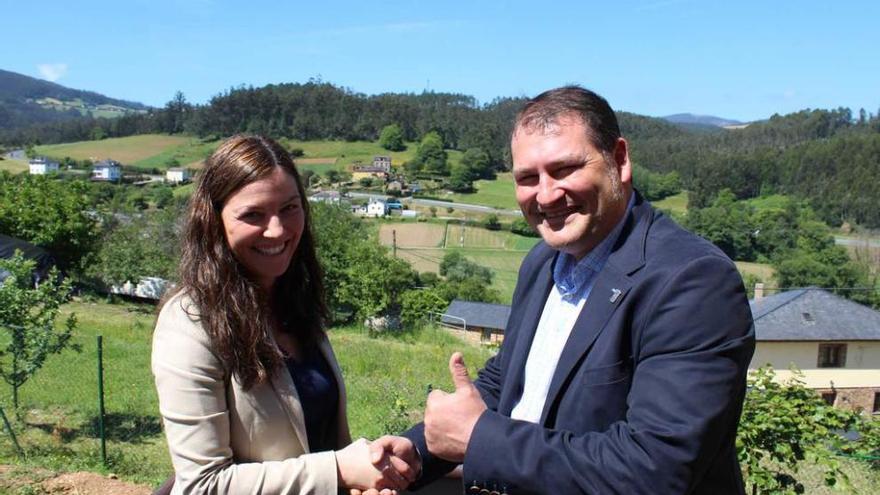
x=27, y=316
x=461, y=179
x=431, y=156
x=781, y=426
x=727, y=224
x=416, y=306
x=50, y=213
x=142, y=245
x=391, y=138
x=478, y=162
x=361, y=278
x=492, y=222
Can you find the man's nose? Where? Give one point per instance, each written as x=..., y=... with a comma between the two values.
x=548, y=190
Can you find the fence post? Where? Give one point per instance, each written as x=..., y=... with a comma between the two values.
x=101, y=400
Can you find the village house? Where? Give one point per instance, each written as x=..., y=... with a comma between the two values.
x=379, y=169
x=329, y=197
x=107, y=170
x=834, y=342
x=177, y=175
x=477, y=322
x=42, y=166
x=377, y=208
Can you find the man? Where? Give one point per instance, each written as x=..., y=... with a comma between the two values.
x=625, y=355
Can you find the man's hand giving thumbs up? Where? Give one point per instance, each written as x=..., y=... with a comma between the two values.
x=450, y=418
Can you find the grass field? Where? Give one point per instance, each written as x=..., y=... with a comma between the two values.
x=496, y=193
x=676, y=204
x=13, y=166
x=761, y=270
x=127, y=150
x=386, y=379
x=423, y=245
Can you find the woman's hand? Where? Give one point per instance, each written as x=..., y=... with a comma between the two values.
x=358, y=470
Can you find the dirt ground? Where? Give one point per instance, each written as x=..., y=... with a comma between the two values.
x=18, y=480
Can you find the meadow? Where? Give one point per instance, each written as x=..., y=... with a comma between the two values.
x=496, y=193
x=423, y=245
x=13, y=166
x=386, y=378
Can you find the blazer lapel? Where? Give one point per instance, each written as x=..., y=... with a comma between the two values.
x=327, y=351
x=611, y=287
x=283, y=385
x=607, y=293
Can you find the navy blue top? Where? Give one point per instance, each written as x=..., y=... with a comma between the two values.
x=319, y=396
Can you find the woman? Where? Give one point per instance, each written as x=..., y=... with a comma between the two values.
x=249, y=390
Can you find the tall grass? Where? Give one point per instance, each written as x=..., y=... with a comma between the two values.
x=386, y=377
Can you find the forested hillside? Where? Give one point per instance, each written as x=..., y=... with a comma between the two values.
x=828, y=157
x=26, y=101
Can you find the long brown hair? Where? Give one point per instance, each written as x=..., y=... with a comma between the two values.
x=235, y=312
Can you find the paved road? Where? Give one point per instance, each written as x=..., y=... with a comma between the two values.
x=441, y=204
x=844, y=241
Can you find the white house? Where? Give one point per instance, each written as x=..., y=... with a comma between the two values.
x=177, y=175
x=42, y=166
x=377, y=208
x=332, y=197
x=107, y=170
x=834, y=342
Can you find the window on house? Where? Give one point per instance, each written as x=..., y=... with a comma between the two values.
x=832, y=355
x=876, y=403
x=829, y=397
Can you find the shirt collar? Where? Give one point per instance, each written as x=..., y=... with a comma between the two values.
x=571, y=275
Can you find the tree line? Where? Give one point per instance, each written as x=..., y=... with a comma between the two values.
x=827, y=157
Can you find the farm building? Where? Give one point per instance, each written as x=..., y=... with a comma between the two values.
x=43, y=260
x=177, y=175
x=42, y=166
x=477, y=321
x=331, y=197
x=107, y=170
x=833, y=341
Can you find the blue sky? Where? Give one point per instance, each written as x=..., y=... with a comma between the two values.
x=743, y=60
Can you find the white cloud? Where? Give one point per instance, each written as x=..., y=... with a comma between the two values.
x=52, y=72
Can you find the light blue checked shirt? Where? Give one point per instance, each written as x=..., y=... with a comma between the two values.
x=573, y=281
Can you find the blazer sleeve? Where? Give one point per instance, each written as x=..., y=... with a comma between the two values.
x=694, y=341
x=191, y=384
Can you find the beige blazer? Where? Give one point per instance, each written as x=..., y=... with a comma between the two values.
x=227, y=440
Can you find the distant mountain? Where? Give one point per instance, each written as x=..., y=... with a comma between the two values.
x=26, y=100
x=689, y=119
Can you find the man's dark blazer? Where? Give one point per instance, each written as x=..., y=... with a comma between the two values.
x=648, y=391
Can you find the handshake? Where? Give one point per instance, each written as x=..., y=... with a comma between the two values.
x=391, y=463
x=380, y=467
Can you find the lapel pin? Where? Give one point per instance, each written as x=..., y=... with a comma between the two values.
x=615, y=295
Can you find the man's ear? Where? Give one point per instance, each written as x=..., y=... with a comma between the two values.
x=621, y=160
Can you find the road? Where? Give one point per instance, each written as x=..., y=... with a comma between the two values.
x=845, y=241
x=441, y=204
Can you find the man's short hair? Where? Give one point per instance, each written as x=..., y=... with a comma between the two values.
x=594, y=111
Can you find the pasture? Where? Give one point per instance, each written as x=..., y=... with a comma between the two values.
x=127, y=150
x=423, y=245
x=13, y=166
x=496, y=193
x=676, y=204
x=386, y=378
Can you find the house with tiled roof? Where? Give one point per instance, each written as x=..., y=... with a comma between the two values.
x=477, y=321
x=833, y=341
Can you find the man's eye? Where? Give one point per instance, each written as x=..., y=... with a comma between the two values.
x=526, y=179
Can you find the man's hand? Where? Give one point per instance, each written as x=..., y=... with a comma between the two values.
x=450, y=418
x=356, y=469
x=397, y=453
